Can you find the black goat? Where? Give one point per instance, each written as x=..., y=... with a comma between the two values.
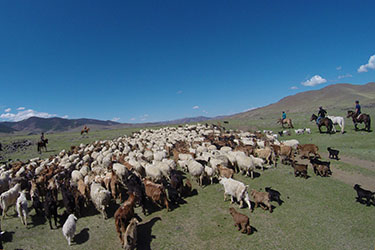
x=364, y=194
x=68, y=199
x=37, y=205
x=333, y=153
x=315, y=162
x=50, y=208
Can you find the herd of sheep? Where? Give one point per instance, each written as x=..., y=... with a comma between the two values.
x=146, y=164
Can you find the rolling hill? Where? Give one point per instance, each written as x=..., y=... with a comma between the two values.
x=339, y=97
x=333, y=97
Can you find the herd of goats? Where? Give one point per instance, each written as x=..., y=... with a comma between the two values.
x=149, y=169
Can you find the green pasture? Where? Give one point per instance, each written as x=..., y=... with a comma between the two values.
x=317, y=213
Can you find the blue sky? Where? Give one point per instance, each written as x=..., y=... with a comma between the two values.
x=142, y=61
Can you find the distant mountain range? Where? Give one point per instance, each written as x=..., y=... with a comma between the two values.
x=336, y=96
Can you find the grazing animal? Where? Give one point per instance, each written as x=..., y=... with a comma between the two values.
x=333, y=153
x=130, y=237
x=300, y=131
x=69, y=228
x=235, y=189
x=42, y=144
x=287, y=121
x=318, y=165
x=156, y=193
x=362, y=118
x=307, y=149
x=364, y=194
x=9, y=198
x=225, y=172
x=323, y=122
x=50, y=208
x=22, y=209
x=241, y=221
x=337, y=120
x=37, y=205
x=100, y=197
x=274, y=195
x=261, y=198
x=299, y=169
x=123, y=215
x=68, y=199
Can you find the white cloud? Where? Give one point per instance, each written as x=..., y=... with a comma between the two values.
x=344, y=76
x=204, y=111
x=65, y=117
x=179, y=92
x=24, y=114
x=249, y=109
x=21, y=108
x=315, y=80
x=369, y=65
x=115, y=119
x=339, y=68
x=144, y=117
x=196, y=107
x=8, y=110
x=133, y=119
x=294, y=87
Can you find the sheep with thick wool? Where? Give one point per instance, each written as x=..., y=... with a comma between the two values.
x=69, y=228
x=100, y=197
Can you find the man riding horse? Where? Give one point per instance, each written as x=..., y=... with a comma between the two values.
x=42, y=143
x=321, y=114
x=358, y=117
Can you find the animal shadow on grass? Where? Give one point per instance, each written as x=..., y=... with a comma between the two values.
x=38, y=220
x=145, y=236
x=111, y=210
x=82, y=236
x=6, y=237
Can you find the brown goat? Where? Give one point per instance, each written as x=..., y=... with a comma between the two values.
x=156, y=193
x=241, y=221
x=323, y=170
x=299, y=169
x=123, y=215
x=306, y=149
x=225, y=172
x=261, y=198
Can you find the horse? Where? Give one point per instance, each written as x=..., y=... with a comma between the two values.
x=287, y=121
x=323, y=122
x=42, y=144
x=85, y=130
x=337, y=120
x=365, y=118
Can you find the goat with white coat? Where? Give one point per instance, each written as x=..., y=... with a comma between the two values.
x=21, y=206
x=69, y=228
x=235, y=189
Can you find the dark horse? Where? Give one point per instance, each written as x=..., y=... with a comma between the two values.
x=42, y=144
x=365, y=118
x=323, y=122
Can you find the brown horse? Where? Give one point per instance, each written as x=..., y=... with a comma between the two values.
x=285, y=121
x=42, y=144
x=85, y=130
x=365, y=118
x=323, y=122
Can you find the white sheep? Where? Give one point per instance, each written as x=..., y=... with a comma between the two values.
x=69, y=228
x=258, y=162
x=9, y=198
x=235, y=189
x=299, y=131
x=100, y=197
x=293, y=143
x=21, y=206
x=120, y=170
x=210, y=173
x=308, y=130
x=196, y=170
x=153, y=172
x=76, y=176
x=245, y=164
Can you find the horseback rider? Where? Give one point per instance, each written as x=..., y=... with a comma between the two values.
x=321, y=114
x=283, y=117
x=42, y=139
x=357, y=109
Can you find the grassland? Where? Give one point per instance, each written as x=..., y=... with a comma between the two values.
x=317, y=213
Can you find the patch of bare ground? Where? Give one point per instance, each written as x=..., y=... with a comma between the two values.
x=356, y=162
x=353, y=178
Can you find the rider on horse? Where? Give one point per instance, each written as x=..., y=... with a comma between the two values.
x=283, y=117
x=321, y=114
x=357, y=109
x=42, y=139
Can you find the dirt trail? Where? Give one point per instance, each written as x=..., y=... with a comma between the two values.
x=353, y=178
x=354, y=161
